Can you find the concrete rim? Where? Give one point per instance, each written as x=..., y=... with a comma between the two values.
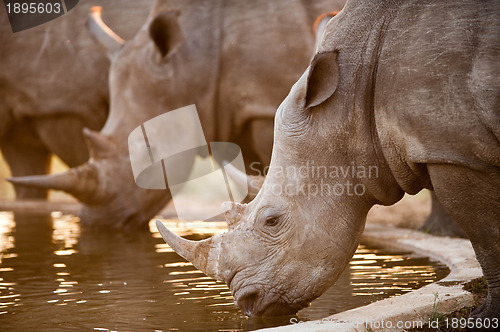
x=416, y=306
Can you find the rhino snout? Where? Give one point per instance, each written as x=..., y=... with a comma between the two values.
x=257, y=303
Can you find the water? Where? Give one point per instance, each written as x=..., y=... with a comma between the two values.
x=55, y=277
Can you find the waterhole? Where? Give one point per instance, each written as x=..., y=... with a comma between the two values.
x=56, y=277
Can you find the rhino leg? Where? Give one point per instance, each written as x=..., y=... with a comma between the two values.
x=256, y=142
x=439, y=221
x=25, y=155
x=491, y=307
x=262, y=138
x=54, y=133
x=471, y=198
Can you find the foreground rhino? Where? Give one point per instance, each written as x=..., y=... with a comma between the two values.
x=53, y=83
x=234, y=59
x=406, y=89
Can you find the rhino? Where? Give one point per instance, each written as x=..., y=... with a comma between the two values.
x=235, y=60
x=53, y=83
x=406, y=88
x=439, y=221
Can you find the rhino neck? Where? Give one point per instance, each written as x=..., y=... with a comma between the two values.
x=359, y=47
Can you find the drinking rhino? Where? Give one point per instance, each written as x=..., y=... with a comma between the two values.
x=408, y=87
x=53, y=83
x=234, y=59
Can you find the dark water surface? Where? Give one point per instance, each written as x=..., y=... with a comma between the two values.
x=53, y=277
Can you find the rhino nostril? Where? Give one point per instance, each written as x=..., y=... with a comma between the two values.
x=247, y=303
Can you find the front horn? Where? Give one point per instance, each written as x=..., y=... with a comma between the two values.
x=104, y=35
x=81, y=182
x=205, y=254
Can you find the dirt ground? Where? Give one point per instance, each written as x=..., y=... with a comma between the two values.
x=410, y=212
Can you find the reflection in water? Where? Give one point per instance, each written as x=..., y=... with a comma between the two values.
x=54, y=277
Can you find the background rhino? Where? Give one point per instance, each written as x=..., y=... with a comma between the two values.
x=410, y=87
x=234, y=59
x=53, y=83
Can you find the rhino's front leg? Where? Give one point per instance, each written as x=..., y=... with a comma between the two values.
x=26, y=155
x=256, y=142
x=62, y=135
x=491, y=307
x=472, y=199
x=262, y=131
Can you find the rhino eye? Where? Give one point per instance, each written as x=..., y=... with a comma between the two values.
x=272, y=221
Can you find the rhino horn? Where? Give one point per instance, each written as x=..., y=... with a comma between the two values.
x=204, y=254
x=104, y=35
x=241, y=179
x=81, y=182
x=99, y=145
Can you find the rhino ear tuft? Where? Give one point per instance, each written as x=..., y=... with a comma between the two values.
x=323, y=78
x=165, y=32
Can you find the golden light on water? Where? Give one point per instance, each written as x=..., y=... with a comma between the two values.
x=66, y=232
x=7, y=225
x=65, y=252
x=178, y=264
x=202, y=228
x=174, y=273
x=111, y=275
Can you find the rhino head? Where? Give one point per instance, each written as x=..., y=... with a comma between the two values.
x=290, y=243
x=148, y=77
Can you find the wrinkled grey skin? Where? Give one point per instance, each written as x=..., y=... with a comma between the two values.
x=53, y=83
x=409, y=86
x=234, y=59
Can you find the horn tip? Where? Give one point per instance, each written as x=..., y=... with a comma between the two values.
x=17, y=180
x=164, y=231
x=88, y=132
x=96, y=9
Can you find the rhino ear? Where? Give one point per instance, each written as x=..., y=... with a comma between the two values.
x=165, y=32
x=323, y=78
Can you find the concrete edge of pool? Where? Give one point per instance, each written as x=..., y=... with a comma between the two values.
x=415, y=306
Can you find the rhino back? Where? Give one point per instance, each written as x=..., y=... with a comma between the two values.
x=437, y=87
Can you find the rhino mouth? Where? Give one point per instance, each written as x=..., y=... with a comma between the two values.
x=248, y=303
x=257, y=303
